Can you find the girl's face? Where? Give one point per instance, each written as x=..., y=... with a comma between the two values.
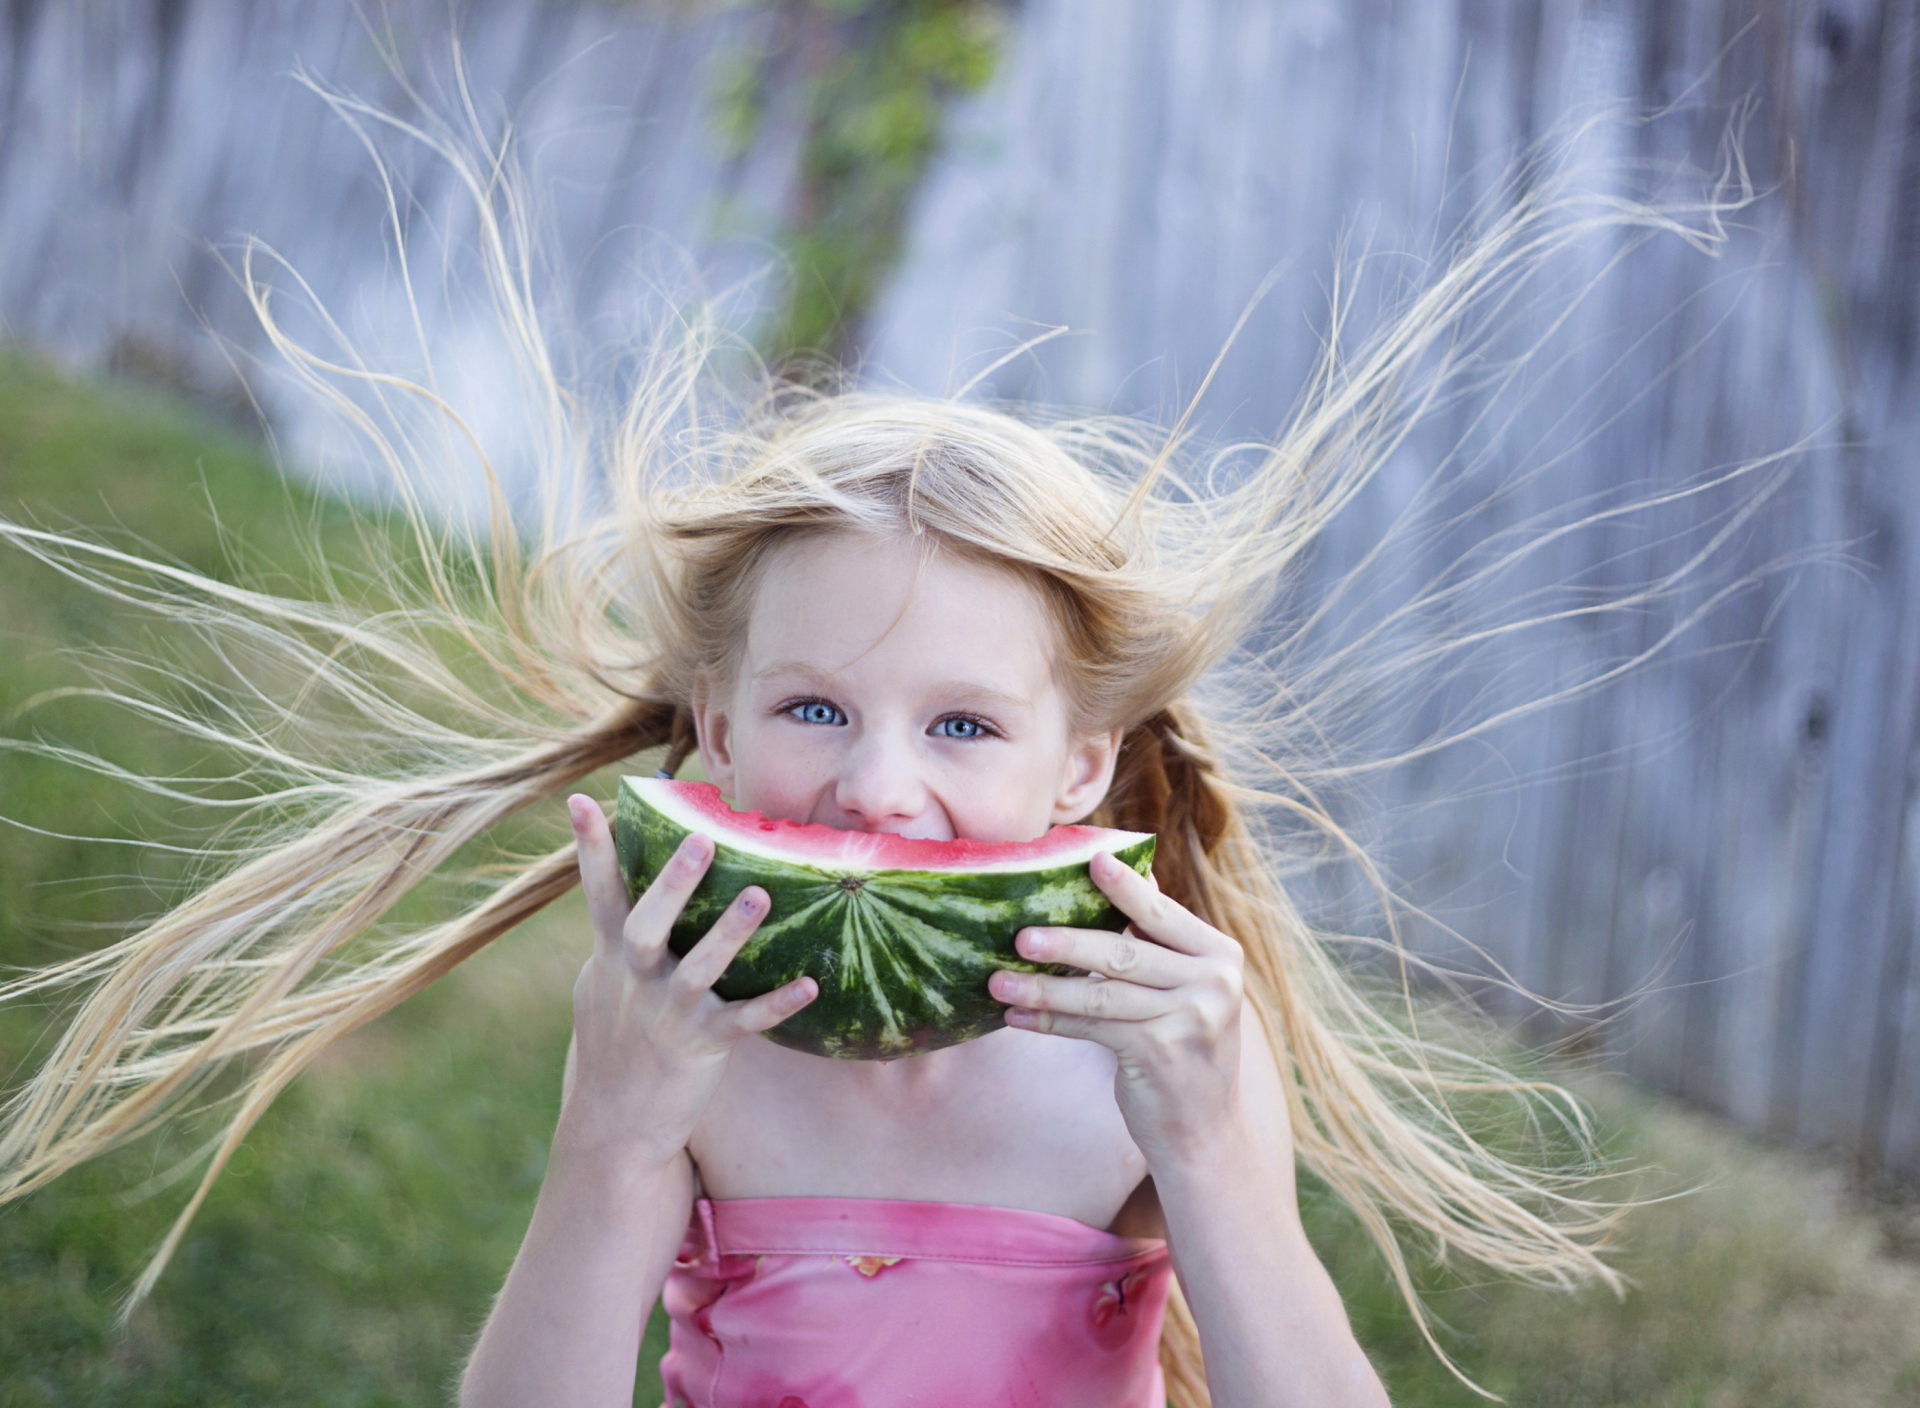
x=878, y=693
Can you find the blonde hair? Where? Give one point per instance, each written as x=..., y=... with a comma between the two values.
x=528, y=658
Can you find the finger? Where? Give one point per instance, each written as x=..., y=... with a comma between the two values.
x=1031, y=1019
x=770, y=1009
x=606, y=892
x=708, y=959
x=1154, y=915
x=651, y=920
x=1113, y=955
x=1105, y=998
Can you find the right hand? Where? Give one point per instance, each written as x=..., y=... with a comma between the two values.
x=651, y=1038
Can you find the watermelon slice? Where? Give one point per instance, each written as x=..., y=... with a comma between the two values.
x=899, y=934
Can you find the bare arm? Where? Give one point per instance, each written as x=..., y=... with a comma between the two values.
x=650, y=1043
x=1202, y=1098
x=1272, y=1327
x=566, y=1327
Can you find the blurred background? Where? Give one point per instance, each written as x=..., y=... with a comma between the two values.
x=1712, y=862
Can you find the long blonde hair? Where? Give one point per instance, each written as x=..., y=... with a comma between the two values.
x=568, y=638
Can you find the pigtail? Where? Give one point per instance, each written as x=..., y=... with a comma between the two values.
x=1167, y=781
x=515, y=657
x=681, y=740
x=263, y=964
x=1369, y=1100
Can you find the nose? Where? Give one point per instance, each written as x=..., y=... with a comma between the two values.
x=879, y=787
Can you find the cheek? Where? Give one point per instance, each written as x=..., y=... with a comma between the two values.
x=777, y=770
x=1013, y=802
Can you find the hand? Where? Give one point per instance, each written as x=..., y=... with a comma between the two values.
x=1165, y=997
x=651, y=1039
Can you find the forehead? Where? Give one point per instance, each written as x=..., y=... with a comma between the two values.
x=844, y=604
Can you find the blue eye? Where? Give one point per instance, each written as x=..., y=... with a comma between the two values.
x=817, y=711
x=958, y=726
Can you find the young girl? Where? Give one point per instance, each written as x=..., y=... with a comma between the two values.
x=918, y=619
x=883, y=613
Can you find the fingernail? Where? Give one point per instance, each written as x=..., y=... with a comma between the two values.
x=1030, y=943
x=691, y=846
x=1003, y=985
x=747, y=902
x=1018, y=1016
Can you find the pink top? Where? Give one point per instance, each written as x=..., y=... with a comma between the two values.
x=870, y=1303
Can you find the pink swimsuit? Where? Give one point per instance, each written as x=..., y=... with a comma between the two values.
x=868, y=1303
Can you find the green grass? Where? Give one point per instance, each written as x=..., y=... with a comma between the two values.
x=352, y=1250
x=349, y=1253
x=1759, y=1281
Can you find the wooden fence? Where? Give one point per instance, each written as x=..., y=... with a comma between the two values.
x=1729, y=838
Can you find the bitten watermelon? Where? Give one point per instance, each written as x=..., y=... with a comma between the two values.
x=899, y=934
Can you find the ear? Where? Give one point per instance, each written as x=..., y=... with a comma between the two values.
x=1088, y=775
x=713, y=730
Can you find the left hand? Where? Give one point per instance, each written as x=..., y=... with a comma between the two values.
x=1165, y=997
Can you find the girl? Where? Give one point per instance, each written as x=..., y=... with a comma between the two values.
x=917, y=619
x=884, y=613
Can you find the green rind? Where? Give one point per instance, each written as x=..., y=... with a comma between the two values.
x=902, y=961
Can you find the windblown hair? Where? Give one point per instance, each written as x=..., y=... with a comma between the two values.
x=570, y=638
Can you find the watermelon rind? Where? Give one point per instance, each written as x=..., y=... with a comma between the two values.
x=901, y=957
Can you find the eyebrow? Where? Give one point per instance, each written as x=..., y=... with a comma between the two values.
x=791, y=667
x=964, y=691
x=981, y=695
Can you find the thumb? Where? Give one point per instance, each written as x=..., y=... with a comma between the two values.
x=770, y=1009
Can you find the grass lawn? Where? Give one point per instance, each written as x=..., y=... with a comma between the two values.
x=352, y=1250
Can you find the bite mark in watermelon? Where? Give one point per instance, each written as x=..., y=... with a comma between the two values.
x=900, y=934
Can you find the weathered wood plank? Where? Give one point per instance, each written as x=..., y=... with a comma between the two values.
x=1727, y=861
